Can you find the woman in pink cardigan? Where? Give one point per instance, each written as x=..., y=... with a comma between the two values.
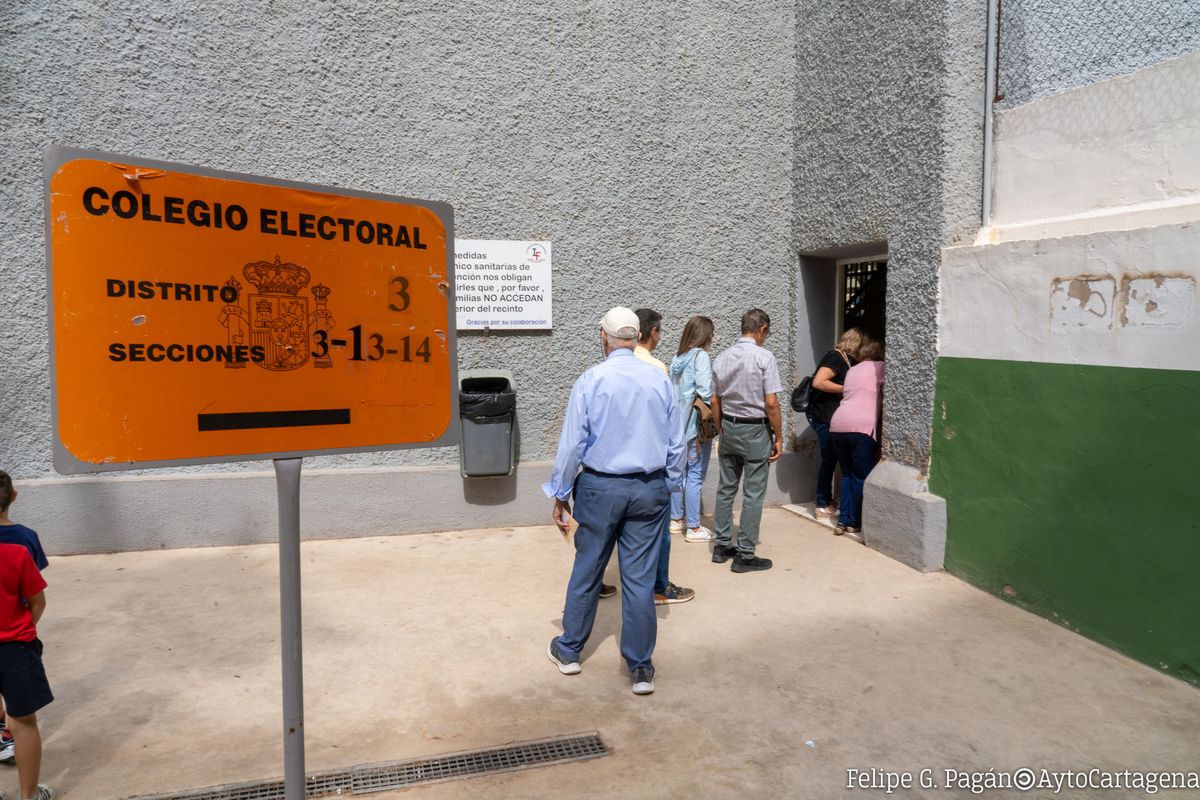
x=855, y=430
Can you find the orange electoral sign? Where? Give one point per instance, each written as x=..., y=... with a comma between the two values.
x=200, y=316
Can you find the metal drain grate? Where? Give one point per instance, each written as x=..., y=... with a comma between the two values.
x=317, y=784
x=398, y=774
x=369, y=778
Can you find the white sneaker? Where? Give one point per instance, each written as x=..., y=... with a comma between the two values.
x=643, y=680
x=701, y=534
x=565, y=667
x=676, y=526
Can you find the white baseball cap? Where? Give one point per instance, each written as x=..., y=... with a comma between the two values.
x=620, y=323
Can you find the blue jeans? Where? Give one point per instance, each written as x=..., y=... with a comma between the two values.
x=687, y=502
x=664, y=556
x=856, y=456
x=829, y=461
x=629, y=512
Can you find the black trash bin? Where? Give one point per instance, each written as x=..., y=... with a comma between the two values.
x=488, y=407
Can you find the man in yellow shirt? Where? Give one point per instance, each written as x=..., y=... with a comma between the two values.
x=649, y=335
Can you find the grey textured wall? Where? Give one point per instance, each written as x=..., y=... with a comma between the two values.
x=651, y=144
x=1050, y=46
x=888, y=148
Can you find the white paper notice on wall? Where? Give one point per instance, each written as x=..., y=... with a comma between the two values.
x=502, y=284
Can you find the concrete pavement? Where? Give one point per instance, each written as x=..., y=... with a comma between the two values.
x=166, y=670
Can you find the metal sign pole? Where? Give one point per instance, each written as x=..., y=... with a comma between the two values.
x=287, y=484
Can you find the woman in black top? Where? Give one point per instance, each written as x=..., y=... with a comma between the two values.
x=826, y=394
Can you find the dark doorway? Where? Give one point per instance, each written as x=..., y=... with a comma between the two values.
x=863, y=293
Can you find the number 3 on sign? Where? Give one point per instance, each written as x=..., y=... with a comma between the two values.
x=399, y=292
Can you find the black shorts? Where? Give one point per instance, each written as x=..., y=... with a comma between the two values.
x=23, y=681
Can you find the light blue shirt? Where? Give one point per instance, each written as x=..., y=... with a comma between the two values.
x=692, y=375
x=622, y=418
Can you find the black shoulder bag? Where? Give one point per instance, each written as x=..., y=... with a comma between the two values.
x=802, y=394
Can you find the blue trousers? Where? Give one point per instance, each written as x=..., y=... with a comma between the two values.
x=661, y=578
x=856, y=456
x=829, y=461
x=630, y=512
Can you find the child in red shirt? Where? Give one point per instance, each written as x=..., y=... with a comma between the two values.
x=23, y=681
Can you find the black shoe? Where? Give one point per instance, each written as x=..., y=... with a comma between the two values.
x=750, y=564
x=721, y=553
x=607, y=590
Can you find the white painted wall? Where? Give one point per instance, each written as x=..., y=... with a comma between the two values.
x=1094, y=252
x=1120, y=298
x=1126, y=147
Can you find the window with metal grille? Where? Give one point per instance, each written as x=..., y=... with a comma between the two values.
x=864, y=290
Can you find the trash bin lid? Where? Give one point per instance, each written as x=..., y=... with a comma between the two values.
x=473, y=405
x=491, y=384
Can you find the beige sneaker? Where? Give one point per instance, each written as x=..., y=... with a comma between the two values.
x=701, y=534
x=826, y=511
x=673, y=594
x=677, y=526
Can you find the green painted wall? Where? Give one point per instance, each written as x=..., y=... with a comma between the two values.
x=1079, y=487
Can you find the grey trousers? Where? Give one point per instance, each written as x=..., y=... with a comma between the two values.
x=745, y=447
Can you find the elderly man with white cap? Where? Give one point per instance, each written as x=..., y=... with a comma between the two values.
x=620, y=454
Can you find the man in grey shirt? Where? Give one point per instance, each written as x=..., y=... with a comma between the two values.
x=745, y=405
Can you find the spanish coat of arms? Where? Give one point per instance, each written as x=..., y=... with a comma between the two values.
x=276, y=317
